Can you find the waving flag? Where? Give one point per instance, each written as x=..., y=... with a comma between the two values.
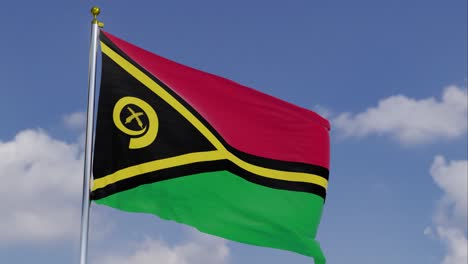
x=199, y=149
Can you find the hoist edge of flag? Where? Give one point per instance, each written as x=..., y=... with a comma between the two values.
x=262, y=125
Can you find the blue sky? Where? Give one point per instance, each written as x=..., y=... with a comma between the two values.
x=391, y=76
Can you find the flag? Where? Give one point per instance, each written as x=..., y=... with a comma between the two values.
x=207, y=152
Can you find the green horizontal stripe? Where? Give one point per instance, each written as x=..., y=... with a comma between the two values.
x=223, y=204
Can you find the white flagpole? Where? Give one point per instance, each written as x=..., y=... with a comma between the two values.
x=95, y=24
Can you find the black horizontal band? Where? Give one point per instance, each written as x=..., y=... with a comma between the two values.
x=209, y=166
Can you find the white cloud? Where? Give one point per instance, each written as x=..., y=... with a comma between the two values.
x=76, y=121
x=410, y=120
x=457, y=245
x=200, y=249
x=452, y=178
x=451, y=214
x=40, y=188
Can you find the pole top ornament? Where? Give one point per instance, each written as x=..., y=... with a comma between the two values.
x=95, y=11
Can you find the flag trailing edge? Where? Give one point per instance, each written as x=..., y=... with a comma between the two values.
x=202, y=150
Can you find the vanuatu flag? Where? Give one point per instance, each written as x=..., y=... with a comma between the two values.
x=201, y=150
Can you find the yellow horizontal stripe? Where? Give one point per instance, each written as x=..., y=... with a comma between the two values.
x=157, y=165
x=201, y=157
x=220, y=153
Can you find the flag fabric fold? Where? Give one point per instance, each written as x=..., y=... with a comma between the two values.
x=202, y=150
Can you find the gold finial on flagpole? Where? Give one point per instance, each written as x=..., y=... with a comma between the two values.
x=95, y=11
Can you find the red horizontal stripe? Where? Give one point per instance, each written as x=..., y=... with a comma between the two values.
x=248, y=120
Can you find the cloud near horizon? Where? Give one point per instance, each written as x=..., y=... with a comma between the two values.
x=198, y=249
x=75, y=121
x=411, y=121
x=450, y=217
x=39, y=194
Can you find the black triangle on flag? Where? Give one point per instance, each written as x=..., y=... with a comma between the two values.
x=129, y=111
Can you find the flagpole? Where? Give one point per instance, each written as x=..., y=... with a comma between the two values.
x=85, y=206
